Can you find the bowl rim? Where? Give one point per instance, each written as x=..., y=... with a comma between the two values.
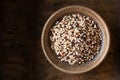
x=102, y=21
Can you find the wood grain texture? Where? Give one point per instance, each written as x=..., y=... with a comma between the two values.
x=21, y=56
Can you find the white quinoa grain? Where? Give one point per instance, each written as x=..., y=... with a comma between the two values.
x=76, y=39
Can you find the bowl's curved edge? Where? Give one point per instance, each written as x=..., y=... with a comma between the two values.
x=43, y=32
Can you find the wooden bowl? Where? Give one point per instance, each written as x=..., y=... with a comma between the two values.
x=50, y=54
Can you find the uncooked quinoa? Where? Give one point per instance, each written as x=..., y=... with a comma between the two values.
x=76, y=39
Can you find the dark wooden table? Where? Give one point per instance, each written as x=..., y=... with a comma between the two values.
x=21, y=55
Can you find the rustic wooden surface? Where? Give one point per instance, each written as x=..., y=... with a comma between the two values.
x=21, y=56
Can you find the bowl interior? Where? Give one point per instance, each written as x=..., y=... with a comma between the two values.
x=50, y=54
